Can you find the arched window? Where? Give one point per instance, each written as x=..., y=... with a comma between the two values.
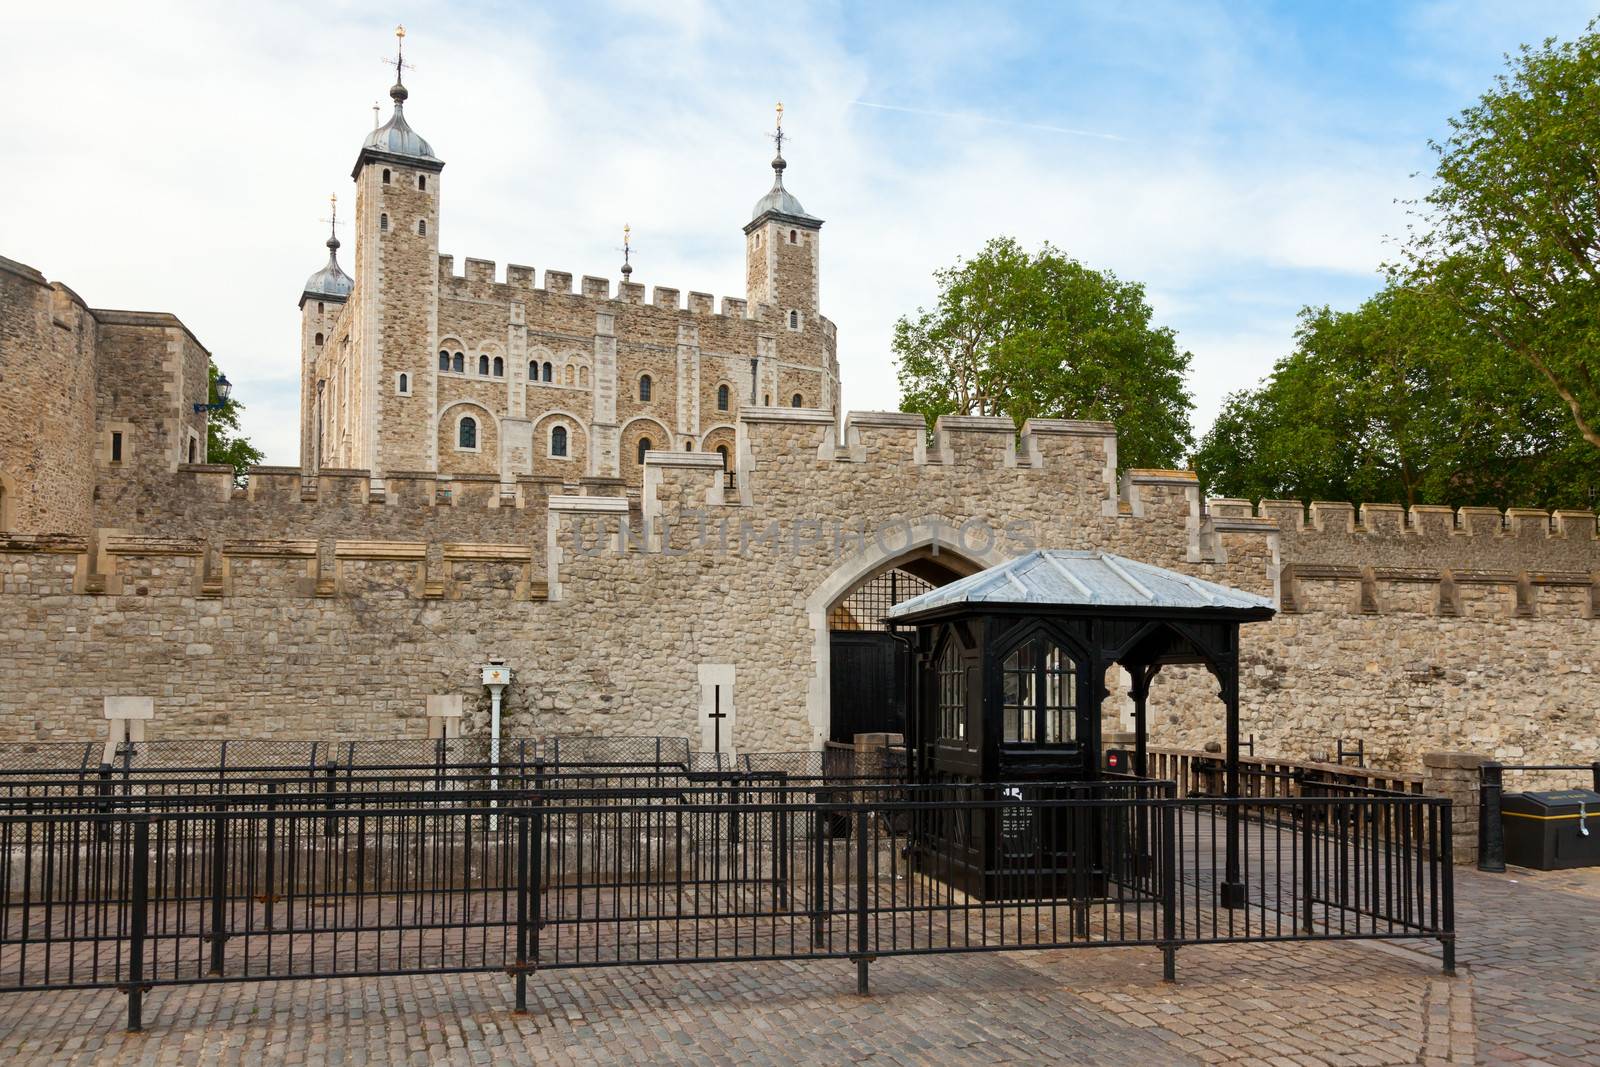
x=483, y=365
x=797, y=401
x=499, y=367
x=766, y=400
x=422, y=182
x=422, y=227
x=571, y=374
x=444, y=360
x=1039, y=694
x=583, y=375
x=467, y=434
x=383, y=222
x=644, y=388
x=320, y=308
x=794, y=237
x=952, y=695
x=405, y=383
x=318, y=339
x=192, y=443
x=722, y=398
x=547, y=375
x=459, y=363
x=722, y=450
x=644, y=446
x=386, y=175
x=533, y=370
x=558, y=441
x=794, y=320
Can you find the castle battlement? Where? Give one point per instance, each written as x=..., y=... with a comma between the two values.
x=519, y=278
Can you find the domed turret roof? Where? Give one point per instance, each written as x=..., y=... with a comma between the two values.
x=396, y=137
x=329, y=283
x=780, y=201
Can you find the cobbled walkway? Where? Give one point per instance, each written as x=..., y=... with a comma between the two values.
x=1528, y=992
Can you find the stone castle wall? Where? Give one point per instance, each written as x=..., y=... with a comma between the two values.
x=327, y=607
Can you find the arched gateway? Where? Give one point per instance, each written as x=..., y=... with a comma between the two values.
x=857, y=684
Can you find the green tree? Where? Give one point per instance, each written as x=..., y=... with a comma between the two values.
x=1397, y=401
x=225, y=444
x=1045, y=336
x=1510, y=232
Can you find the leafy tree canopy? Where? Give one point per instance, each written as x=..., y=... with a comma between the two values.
x=1510, y=233
x=1397, y=401
x=1045, y=336
x=225, y=443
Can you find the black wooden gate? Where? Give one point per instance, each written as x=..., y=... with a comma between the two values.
x=868, y=687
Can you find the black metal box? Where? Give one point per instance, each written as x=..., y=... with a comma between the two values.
x=1552, y=830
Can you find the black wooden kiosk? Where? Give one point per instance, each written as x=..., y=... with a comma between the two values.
x=1010, y=674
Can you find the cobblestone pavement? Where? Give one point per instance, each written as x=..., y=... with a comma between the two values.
x=1528, y=993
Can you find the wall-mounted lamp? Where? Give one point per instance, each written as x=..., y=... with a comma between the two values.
x=224, y=390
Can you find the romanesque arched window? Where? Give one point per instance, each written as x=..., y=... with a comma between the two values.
x=422, y=182
x=794, y=237
x=383, y=222
x=644, y=446
x=547, y=370
x=794, y=320
x=318, y=339
x=467, y=433
x=533, y=370
x=571, y=375
x=483, y=365
x=583, y=375
x=558, y=440
x=722, y=450
x=644, y=388
x=422, y=227
x=722, y=398
x=459, y=362
x=405, y=384
x=386, y=175
x=499, y=367
x=797, y=401
x=444, y=360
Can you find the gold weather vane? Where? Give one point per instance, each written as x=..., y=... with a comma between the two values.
x=777, y=137
x=399, y=60
x=627, y=251
x=333, y=215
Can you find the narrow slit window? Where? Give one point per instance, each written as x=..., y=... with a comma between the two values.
x=722, y=398
x=116, y=446
x=645, y=445
x=644, y=388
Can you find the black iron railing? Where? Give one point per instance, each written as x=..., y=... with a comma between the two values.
x=282, y=878
x=1491, y=789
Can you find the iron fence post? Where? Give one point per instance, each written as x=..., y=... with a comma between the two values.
x=819, y=855
x=219, y=846
x=137, y=926
x=1169, y=891
x=1491, y=827
x=522, y=913
x=1307, y=860
x=1447, y=887
x=270, y=895
x=862, y=959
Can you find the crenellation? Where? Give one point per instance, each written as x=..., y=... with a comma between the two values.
x=520, y=277
x=1382, y=520
x=481, y=271
x=1333, y=516
x=1575, y=525
x=735, y=307
x=558, y=281
x=702, y=303
x=664, y=297
x=1431, y=520
x=975, y=440
x=1481, y=522
x=630, y=292
x=1287, y=515
x=596, y=288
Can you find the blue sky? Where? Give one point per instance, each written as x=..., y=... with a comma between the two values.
x=1242, y=159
